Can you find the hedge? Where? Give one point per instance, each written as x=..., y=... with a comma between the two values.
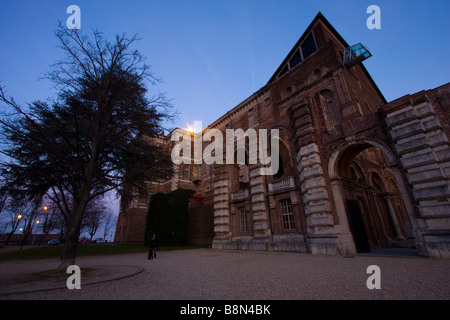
x=168, y=218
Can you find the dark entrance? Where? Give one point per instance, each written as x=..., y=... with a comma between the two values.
x=357, y=226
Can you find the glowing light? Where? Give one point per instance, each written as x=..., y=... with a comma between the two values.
x=19, y=216
x=190, y=129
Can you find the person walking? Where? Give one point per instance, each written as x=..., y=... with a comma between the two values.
x=153, y=245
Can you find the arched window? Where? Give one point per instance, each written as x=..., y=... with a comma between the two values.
x=327, y=98
x=284, y=161
x=240, y=173
x=377, y=183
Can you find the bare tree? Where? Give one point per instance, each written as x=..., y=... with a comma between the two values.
x=21, y=213
x=49, y=221
x=93, y=217
x=109, y=221
x=16, y=218
x=3, y=200
x=94, y=138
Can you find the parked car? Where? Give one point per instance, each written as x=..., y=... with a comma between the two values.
x=84, y=240
x=53, y=242
x=99, y=240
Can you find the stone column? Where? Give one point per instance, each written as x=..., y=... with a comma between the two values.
x=261, y=223
x=320, y=224
x=346, y=244
x=394, y=220
x=222, y=235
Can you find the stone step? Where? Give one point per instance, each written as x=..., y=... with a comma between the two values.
x=400, y=244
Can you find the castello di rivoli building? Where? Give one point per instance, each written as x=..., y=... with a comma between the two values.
x=356, y=172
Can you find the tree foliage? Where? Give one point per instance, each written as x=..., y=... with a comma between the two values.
x=94, y=138
x=168, y=217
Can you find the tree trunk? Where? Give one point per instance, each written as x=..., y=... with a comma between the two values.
x=8, y=238
x=70, y=247
x=69, y=253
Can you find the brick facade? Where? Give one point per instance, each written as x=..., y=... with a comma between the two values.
x=356, y=172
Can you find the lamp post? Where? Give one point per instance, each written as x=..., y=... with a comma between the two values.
x=34, y=236
x=45, y=208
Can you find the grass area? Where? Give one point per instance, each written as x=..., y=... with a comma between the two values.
x=82, y=250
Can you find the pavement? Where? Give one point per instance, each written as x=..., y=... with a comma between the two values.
x=208, y=274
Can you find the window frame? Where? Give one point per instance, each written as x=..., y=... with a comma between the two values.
x=243, y=225
x=287, y=67
x=287, y=216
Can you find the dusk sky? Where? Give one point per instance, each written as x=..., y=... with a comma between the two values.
x=213, y=54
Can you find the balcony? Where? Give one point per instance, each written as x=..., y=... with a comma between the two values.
x=355, y=54
x=241, y=195
x=282, y=185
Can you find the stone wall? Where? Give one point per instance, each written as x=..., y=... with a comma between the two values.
x=421, y=140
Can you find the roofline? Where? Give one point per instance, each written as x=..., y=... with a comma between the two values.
x=263, y=89
x=324, y=20
x=318, y=17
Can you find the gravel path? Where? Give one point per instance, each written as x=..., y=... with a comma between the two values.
x=206, y=274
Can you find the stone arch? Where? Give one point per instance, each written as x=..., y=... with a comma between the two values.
x=351, y=147
x=350, y=209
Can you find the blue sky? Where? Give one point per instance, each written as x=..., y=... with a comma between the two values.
x=213, y=54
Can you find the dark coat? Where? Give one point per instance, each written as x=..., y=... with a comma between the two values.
x=153, y=243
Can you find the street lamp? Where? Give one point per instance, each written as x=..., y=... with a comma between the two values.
x=19, y=217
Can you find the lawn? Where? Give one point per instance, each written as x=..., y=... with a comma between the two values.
x=82, y=250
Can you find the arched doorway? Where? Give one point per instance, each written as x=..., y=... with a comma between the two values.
x=367, y=196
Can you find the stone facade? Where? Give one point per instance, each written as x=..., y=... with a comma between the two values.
x=356, y=173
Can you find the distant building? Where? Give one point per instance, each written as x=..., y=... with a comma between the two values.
x=356, y=173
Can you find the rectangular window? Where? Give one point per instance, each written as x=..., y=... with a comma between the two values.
x=187, y=171
x=287, y=215
x=308, y=46
x=243, y=219
x=296, y=59
x=285, y=69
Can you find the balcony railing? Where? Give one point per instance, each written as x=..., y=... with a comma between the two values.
x=282, y=185
x=241, y=195
x=355, y=54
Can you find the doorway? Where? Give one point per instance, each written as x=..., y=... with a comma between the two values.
x=372, y=206
x=357, y=226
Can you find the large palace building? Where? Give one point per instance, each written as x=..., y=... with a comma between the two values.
x=355, y=172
